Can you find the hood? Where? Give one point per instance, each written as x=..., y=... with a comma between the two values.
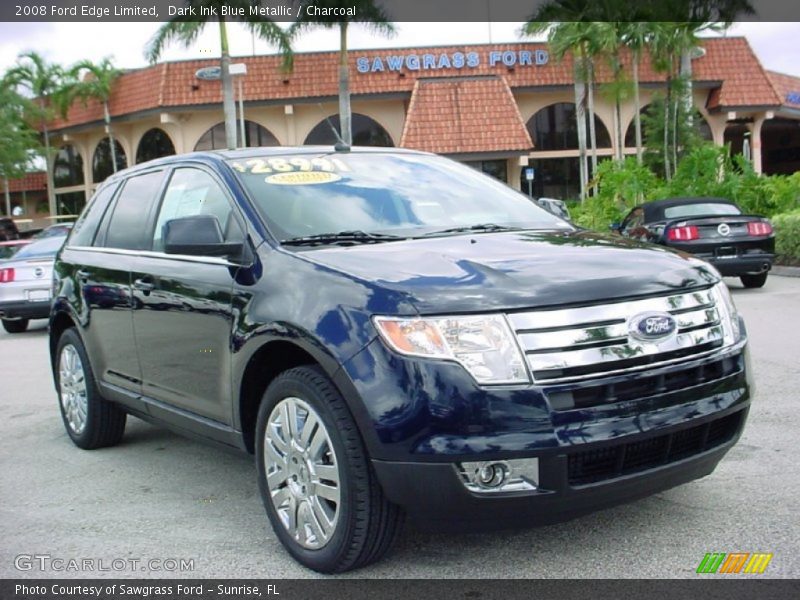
x=515, y=270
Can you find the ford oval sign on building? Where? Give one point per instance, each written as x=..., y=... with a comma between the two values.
x=209, y=73
x=652, y=327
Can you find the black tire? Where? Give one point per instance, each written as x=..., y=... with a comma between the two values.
x=754, y=281
x=368, y=524
x=15, y=326
x=104, y=423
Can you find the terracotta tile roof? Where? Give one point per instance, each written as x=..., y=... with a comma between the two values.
x=787, y=87
x=31, y=182
x=462, y=115
x=744, y=81
x=173, y=85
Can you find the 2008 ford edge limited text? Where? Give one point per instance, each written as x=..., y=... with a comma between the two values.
x=391, y=333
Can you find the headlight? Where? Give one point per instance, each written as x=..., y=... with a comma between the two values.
x=728, y=314
x=483, y=344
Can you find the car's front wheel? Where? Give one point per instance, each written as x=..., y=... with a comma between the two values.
x=318, y=487
x=15, y=325
x=91, y=421
x=754, y=281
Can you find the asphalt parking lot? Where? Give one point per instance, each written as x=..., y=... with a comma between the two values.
x=160, y=496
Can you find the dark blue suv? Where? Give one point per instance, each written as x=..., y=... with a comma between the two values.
x=391, y=333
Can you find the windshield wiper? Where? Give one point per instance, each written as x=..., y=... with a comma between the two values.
x=481, y=227
x=353, y=237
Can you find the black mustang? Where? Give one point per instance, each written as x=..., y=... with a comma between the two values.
x=712, y=229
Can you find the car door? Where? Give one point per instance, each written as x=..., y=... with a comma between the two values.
x=98, y=261
x=182, y=305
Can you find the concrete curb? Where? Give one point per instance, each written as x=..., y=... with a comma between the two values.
x=786, y=271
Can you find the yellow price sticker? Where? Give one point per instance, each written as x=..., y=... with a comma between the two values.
x=302, y=178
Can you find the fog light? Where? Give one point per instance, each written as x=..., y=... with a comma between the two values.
x=492, y=475
x=500, y=476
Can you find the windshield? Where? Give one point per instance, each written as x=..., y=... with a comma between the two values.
x=398, y=194
x=704, y=208
x=46, y=247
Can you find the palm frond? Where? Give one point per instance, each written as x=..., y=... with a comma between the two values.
x=177, y=30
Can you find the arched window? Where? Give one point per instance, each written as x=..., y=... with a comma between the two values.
x=702, y=128
x=554, y=128
x=254, y=135
x=154, y=144
x=366, y=132
x=630, y=135
x=67, y=167
x=101, y=163
x=735, y=135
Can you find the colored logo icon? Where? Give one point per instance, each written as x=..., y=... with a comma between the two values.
x=735, y=562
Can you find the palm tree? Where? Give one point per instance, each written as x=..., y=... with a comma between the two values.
x=671, y=48
x=96, y=80
x=671, y=41
x=43, y=81
x=186, y=28
x=635, y=36
x=608, y=41
x=369, y=14
x=18, y=141
x=574, y=37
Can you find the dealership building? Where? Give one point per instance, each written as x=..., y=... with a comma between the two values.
x=498, y=107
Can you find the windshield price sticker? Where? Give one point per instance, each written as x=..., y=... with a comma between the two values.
x=302, y=178
x=268, y=166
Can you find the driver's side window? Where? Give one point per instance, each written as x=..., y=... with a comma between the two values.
x=633, y=221
x=194, y=192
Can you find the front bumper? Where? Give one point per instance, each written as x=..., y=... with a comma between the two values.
x=22, y=309
x=436, y=499
x=667, y=419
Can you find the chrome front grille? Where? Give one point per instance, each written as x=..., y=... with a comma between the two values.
x=578, y=343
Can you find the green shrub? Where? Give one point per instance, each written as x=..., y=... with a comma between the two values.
x=620, y=187
x=706, y=170
x=787, y=236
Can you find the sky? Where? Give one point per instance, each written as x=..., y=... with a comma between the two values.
x=67, y=43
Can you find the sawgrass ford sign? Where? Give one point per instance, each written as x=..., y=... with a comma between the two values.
x=450, y=60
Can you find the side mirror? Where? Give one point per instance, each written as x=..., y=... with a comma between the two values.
x=615, y=227
x=198, y=235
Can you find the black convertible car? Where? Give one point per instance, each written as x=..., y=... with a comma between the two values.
x=712, y=229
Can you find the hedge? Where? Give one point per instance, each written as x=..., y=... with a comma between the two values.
x=707, y=170
x=787, y=237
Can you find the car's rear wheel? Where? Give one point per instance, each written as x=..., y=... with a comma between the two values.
x=91, y=421
x=15, y=325
x=318, y=487
x=754, y=281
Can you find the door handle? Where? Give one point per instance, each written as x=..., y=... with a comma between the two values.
x=144, y=286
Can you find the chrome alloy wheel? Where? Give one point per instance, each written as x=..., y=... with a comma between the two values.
x=302, y=472
x=72, y=383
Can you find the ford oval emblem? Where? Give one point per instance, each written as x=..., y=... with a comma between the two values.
x=652, y=326
x=38, y=272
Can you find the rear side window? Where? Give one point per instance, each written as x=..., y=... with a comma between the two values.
x=85, y=228
x=127, y=229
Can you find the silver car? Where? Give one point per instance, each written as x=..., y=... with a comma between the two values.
x=25, y=283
